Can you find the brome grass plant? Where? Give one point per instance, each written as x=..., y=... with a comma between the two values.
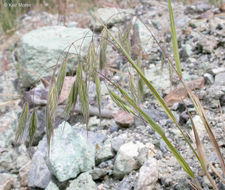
x=129, y=101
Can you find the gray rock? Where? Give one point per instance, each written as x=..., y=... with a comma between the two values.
x=52, y=186
x=222, y=100
x=105, y=152
x=146, y=153
x=197, y=9
x=23, y=157
x=207, y=45
x=8, y=129
x=41, y=49
x=160, y=80
x=83, y=182
x=186, y=52
x=39, y=175
x=98, y=173
x=126, y=159
x=145, y=37
x=126, y=184
x=118, y=141
x=110, y=16
x=220, y=79
x=208, y=78
x=199, y=127
x=78, y=154
x=148, y=175
x=7, y=160
x=7, y=181
x=216, y=71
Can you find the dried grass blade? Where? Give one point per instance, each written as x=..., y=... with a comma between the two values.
x=152, y=89
x=217, y=173
x=120, y=103
x=159, y=130
x=174, y=40
x=140, y=81
x=200, y=151
x=202, y=115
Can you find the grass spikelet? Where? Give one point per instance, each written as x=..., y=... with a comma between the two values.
x=32, y=126
x=98, y=91
x=51, y=110
x=103, y=47
x=91, y=57
x=22, y=122
x=83, y=96
x=61, y=77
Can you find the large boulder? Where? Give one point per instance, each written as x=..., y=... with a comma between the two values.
x=70, y=153
x=43, y=48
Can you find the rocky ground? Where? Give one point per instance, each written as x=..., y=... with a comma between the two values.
x=121, y=152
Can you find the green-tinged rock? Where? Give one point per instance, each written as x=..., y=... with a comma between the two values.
x=52, y=186
x=8, y=125
x=98, y=173
x=83, y=182
x=126, y=159
x=160, y=80
x=105, y=152
x=43, y=48
x=70, y=153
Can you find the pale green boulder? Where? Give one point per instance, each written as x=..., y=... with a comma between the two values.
x=70, y=153
x=43, y=48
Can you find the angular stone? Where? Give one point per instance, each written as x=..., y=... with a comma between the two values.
x=105, y=152
x=118, y=141
x=220, y=79
x=199, y=127
x=126, y=160
x=98, y=173
x=39, y=175
x=78, y=154
x=23, y=174
x=7, y=181
x=124, y=119
x=146, y=39
x=83, y=182
x=41, y=48
x=52, y=186
x=148, y=175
